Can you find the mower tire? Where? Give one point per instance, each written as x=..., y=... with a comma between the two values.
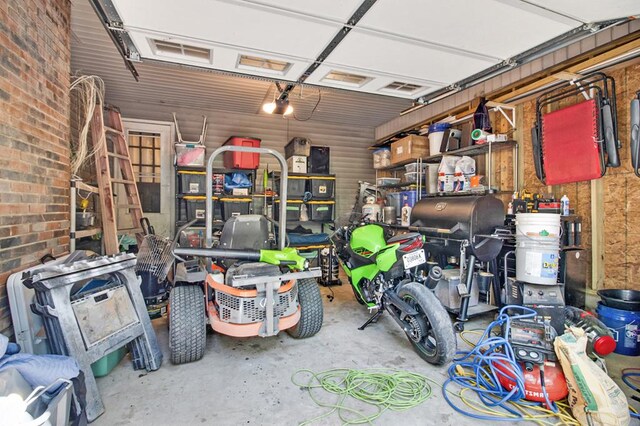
x=187, y=324
x=311, y=311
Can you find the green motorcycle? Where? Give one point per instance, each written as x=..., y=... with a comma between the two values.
x=391, y=275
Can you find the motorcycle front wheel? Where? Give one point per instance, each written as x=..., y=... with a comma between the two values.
x=431, y=331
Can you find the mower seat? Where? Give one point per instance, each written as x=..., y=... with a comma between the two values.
x=245, y=232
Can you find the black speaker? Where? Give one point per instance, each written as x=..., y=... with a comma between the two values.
x=319, y=160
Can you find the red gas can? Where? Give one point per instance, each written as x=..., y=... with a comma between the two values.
x=241, y=160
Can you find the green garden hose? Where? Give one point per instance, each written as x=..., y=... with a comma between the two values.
x=380, y=389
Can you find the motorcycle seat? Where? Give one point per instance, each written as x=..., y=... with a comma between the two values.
x=404, y=237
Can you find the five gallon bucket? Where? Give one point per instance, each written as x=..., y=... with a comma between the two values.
x=537, y=247
x=436, y=132
x=624, y=325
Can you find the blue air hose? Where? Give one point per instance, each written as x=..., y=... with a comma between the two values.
x=484, y=375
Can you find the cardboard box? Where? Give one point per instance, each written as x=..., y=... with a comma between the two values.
x=409, y=148
x=297, y=164
x=298, y=146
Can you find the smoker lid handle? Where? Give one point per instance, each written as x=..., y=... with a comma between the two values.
x=453, y=230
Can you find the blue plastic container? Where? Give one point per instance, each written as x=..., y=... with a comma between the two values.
x=439, y=127
x=625, y=326
x=409, y=198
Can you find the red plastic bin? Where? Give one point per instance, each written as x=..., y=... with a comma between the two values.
x=241, y=160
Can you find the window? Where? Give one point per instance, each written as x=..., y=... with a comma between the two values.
x=144, y=149
x=398, y=86
x=263, y=64
x=346, y=78
x=180, y=50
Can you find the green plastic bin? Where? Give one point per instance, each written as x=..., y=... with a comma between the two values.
x=104, y=365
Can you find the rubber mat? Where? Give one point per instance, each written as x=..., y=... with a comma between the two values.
x=570, y=147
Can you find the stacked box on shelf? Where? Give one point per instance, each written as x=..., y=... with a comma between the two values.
x=232, y=206
x=293, y=210
x=296, y=185
x=321, y=187
x=194, y=207
x=242, y=160
x=321, y=211
x=409, y=148
x=191, y=182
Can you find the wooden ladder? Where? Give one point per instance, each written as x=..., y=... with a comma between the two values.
x=111, y=155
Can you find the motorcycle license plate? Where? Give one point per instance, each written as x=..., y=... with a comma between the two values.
x=413, y=259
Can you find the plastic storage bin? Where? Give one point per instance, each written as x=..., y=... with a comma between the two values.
x=387, y=181
x=296, y=186
x=192, y=182
x=234, y=207
x=413, y=167
x=321, y=211
x=412, y=177
x=242, y=160
x=195, y=208
x=104, y=365
x=381, y=158
x=293, y=210
x=321, y=187
x=188, y=154
x=409, y=198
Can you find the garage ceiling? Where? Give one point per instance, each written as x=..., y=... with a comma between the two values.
x=93, y=52
x=403, y=49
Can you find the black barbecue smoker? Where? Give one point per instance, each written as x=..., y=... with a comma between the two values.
x=460, y=232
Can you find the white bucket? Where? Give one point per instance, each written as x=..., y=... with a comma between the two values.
x=538, y=226
x=435, y=142
x=537, y=262
x=537, y=247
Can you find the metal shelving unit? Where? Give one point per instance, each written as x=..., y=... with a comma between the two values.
x=486, y=149
x=182, y=197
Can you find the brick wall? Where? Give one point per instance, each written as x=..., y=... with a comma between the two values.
x=34, y=134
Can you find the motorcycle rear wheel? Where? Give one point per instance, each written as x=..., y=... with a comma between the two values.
x=435, y=340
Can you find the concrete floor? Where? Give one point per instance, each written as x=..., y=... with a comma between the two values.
x=248, y=381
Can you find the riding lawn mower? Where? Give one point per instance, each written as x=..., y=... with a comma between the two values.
x=251, y=289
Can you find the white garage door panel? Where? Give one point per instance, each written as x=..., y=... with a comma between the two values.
x=375, y=83
x=381, y=54
x=336, y=10
x=487, y=27
x=228, y=23
x=593, y=10
x=223, y=58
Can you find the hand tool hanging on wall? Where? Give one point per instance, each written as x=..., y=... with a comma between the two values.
x=635, y=134
x=577, y=142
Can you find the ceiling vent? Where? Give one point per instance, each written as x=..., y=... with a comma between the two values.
x=346, y=79
x=405, y=88
x=263, y=64
x=180, y=50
